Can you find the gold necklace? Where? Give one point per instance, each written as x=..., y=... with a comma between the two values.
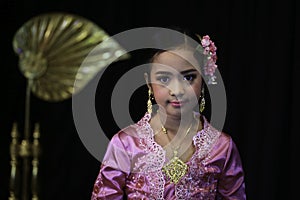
x=176, y=168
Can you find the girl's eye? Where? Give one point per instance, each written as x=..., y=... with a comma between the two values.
x=189, y=77
x=163, y=79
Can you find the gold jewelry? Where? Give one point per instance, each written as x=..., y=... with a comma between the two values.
x=149, y=103
x=164, y=130
x=202, y=102
x=176, y=168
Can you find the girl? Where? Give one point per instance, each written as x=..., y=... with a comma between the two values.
x=173, y=152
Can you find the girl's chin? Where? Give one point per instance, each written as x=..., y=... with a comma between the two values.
x=179, y=111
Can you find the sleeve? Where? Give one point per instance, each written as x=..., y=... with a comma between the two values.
x=114, y=169
x=231, y=185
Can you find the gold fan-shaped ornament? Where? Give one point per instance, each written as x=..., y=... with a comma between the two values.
x=51, y=48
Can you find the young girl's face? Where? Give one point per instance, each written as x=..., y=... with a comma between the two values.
x=175, y=82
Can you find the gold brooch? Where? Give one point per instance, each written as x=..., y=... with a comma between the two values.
x=175, y=169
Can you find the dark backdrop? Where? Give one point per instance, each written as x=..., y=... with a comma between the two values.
x=259, y=60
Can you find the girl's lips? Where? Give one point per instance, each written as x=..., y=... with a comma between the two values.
x=177, y=104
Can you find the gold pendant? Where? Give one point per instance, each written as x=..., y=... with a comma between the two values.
x=175, y=169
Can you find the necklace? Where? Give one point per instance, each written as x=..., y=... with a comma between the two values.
x=176, y=168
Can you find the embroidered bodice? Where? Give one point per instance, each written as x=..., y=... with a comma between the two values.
x=133, y=163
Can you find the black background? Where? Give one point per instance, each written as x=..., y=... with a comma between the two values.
x=258, y=57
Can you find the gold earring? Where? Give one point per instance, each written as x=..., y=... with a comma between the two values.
x=149, y=103
x=202, y=103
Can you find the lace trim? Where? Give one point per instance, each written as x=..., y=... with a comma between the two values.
x=154, y=157
x=152, y=162
x=204, y=141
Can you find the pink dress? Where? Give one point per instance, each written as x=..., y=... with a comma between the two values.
x=132, y=167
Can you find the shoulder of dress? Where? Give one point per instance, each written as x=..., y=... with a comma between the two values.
x=225, y=136
x=224, y=140
x=129, y=131
x=220, y=136
x=134, y=129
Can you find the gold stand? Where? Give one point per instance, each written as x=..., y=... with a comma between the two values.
x=28, y=152
x=21, y=154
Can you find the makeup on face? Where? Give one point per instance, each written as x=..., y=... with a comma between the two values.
x=174, y=81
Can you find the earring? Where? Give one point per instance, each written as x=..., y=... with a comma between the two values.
x=149, y=102
x=202, y=103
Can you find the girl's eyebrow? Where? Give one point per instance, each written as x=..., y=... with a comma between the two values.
x=169, y=73
x=188, y=71
x=163, y=73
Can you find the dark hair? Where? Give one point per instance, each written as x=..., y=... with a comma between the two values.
x=173, y=40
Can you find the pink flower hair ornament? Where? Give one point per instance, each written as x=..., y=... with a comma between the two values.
x=208, y=49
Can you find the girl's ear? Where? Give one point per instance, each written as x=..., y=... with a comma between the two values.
x=147, y=79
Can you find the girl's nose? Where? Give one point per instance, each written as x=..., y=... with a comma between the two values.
x=176, y=88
